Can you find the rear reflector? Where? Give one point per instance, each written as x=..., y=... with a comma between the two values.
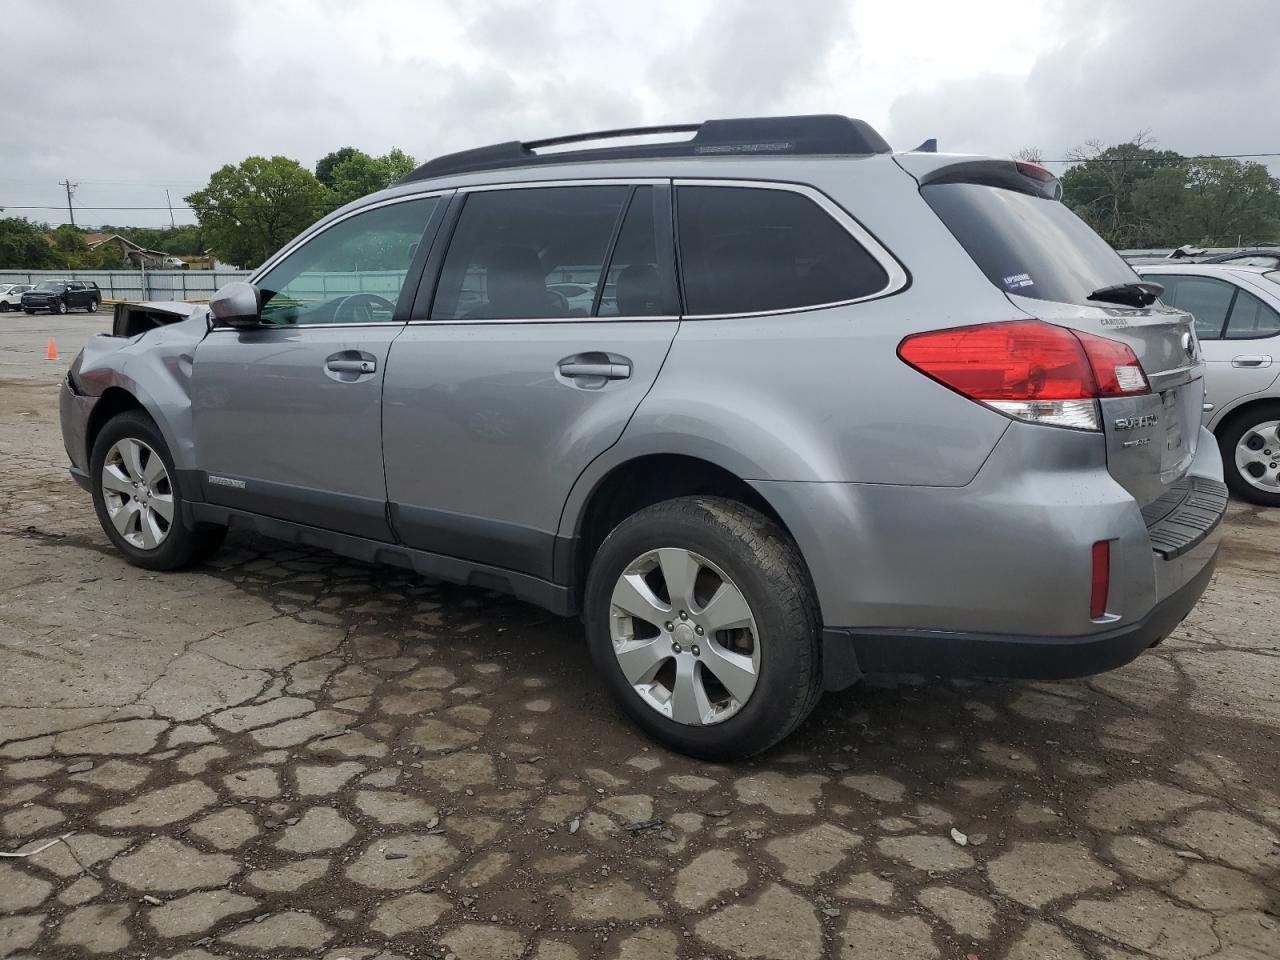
x=1028, y=369
x=1101, y=579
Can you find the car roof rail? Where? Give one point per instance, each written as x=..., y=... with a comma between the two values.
x=811, y=135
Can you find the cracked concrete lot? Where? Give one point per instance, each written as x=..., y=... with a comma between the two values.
x=286, y=754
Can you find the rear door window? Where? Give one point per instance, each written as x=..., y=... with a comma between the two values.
x=640, y=282
x=516, y=253
x=1206, y=299
x=1026, y=245
x=760, y=250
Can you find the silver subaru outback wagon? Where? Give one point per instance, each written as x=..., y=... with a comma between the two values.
x=770, y=407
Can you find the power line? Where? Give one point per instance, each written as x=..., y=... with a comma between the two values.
x=15, y=206
x=1202, y=156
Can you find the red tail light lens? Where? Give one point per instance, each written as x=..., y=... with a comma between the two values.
x=1029, y=369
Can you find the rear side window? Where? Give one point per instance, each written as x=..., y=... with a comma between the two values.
x=1031, y=246
x=1251, y=318
x=529, y=253
x=757, y=250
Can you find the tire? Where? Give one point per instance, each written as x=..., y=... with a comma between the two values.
x=732, y=545
x=4, y=307
x=1257, y=424
x=182, y=544
x=27, y=312
x=93, y=307
x=59, y=307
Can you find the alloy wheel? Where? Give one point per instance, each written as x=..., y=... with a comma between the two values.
x=1258, y=456
x=684, y=636
x=138, y=493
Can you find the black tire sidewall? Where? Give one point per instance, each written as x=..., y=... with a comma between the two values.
x=180, y=544
x=783, y=681
x=1228, y=439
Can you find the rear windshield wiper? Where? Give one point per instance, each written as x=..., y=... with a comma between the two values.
x=1138, y=293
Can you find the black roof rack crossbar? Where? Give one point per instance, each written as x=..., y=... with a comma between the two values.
x=611, y=134
x=812, y=135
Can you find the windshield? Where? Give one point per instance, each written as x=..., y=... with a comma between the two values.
x=53, y=285
x=1027, y=245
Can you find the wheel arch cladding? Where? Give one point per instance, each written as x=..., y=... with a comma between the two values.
x=627, y=487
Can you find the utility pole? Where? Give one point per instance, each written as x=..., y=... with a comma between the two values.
x=71, y=189
x=170, y=202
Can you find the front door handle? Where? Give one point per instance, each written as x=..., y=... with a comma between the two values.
x=351, y=366
x=1247, y=361
x=609, y=371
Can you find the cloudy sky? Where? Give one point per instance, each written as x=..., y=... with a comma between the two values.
x=128, y=98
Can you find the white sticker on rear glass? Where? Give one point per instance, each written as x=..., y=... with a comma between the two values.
x=1018, y=281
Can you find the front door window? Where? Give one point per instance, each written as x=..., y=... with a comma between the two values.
x=352, y=272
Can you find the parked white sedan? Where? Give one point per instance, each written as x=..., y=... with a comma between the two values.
x=11, y=296
x=1237, y=311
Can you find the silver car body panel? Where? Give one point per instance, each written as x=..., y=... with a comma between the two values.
x=465, y=455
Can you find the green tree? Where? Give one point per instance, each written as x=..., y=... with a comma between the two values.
x=23, y=246
x=247, y=212
x=1102, y=186
x=1211, y=203
x=360, y=174
x=324, y=168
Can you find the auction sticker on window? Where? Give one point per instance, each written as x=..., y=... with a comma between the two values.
x=1018, y=281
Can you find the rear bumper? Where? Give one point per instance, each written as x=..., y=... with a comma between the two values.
x=994, y=578
x=851, y=653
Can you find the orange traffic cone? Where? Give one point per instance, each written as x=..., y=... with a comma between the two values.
x=52, y=354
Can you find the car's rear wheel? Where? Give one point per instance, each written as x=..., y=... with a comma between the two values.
x=138, y=498
x=93, y=307
x=1250, y=444
x=26, y=311
x=703, y=622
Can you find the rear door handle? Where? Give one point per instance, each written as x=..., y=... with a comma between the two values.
x=1246, y=361
x=351, y=366
x=610, y=371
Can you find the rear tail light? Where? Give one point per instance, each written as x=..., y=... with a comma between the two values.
x=1029, y=370
x=1101, y=579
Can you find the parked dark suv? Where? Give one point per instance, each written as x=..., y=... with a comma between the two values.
x=59, y=296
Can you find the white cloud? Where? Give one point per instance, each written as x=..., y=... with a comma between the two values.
x=140, y=96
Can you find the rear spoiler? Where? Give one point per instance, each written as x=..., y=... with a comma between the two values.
x=1020, y=175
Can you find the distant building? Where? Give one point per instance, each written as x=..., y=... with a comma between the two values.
x=134, y=255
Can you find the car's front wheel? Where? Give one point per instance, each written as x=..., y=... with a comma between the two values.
x=59, y=306
x=1250, y=445
x=4, y=306
x=138, y=497
x=702, y=619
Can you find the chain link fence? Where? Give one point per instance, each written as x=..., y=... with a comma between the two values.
x=138, y=284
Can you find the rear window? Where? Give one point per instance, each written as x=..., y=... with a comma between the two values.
x=1027, y=245
x=753, y=250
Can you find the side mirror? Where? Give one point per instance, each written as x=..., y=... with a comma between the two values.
x=238, y=304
